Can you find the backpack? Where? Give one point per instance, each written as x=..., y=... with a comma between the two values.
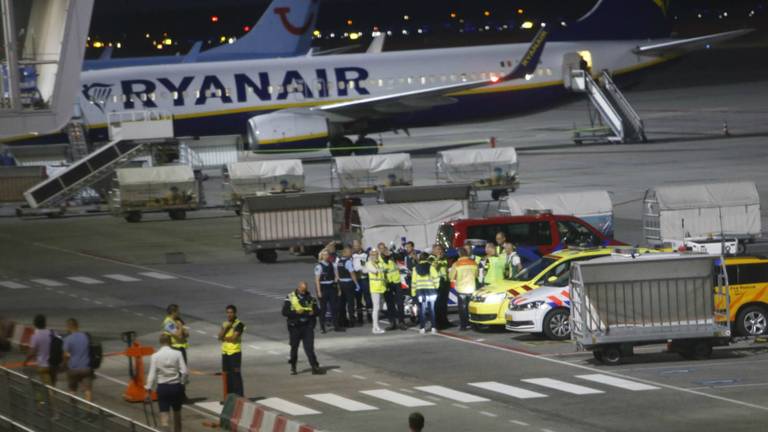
x=95, y=353
x=56, y=355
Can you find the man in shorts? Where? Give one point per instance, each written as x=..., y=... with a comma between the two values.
x=168, y=370
x=77, y=353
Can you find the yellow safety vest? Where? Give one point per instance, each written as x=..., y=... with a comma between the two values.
x=377, y=282
x=230, y=348
x=463, y=274
x=440, y=265
x=175, y=342
x=296, y=305
x=390, y=268
x=425, y=282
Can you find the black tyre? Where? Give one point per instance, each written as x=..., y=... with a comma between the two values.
x=598, y=355
x=556, y=325
x=611, y=355
x=741, y=249
x=752, y=321
x=177, y=214
x=366, y=146
x=341, y=147
x=133, y=217
x=267, y=256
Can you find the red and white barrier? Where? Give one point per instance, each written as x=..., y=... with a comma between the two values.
x=241, y=415
x=21, y=335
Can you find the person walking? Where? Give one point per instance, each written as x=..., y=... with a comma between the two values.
x=326, y=289
x=440, y=264
x=363, y=295
x=463, y=275
x=77, y=353
x=230, y=335
x=300, y=309
x=168, y=370
x=46, y=348
x=348, y=286
x=424, y=284
x=378, y=286
x=176, y=330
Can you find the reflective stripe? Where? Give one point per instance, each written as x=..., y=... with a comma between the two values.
x=232, y=347
x=296, y=305
x=175, y=342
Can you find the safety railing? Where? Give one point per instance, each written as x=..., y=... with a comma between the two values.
x=42, y=408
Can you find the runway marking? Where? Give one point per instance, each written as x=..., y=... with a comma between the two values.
x=382, y=383
x=214, y=407
x=86, y=299
x=73, y=296
x=85, y=280
x=405, y=390
x=158, y=275
x=452, y=394
x=48, y=282
x=254, y=347
x=337, y=370
x=201, y=332
x=397, y=398
x=458, y=405
x=13, y=285
x=97, y=302
x=287, y=407
x=508, y=390
x=617, y=382
x=488, y=414
x=359, y=377
x=341, y=402
x=273, y=352
x=563, y=386
x=546, y=430
x=121, y=278
x=519, y=423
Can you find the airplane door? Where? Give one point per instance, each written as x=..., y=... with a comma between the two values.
x=575, y=61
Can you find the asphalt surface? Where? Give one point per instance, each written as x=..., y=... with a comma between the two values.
x=114, y=277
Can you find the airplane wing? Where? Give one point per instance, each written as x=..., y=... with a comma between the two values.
x=383, y=106
x=683, y=45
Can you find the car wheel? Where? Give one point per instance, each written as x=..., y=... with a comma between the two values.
x=267, y=256
x=556, y=325
x=752, y=321
x=611, y=355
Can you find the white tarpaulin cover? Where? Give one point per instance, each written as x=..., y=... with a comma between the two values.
x=594, y=206
x=484, y=167
x=157, y=186
x=250, y=178
x=154, y=175
x=417, y=222
x=703, y=210
x=365, y=172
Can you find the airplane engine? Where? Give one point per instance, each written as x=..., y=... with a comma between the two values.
x=288, y=131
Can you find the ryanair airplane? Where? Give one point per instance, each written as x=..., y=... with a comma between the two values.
x=310, y=103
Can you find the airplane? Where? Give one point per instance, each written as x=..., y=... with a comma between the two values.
x=311, y=103
x=284, y=30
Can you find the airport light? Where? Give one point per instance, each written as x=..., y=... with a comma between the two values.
x=146, y=35
x=159, y=46
x=168, y=41
x=317, y=33
x=520, y=11
x=349, y=22
x=354, y=36
x=223, y=39
x=246, y=28
x=119, y=45
x=527, y=25
x=98, y=44
x=453, y=14
x=214, y=18
x=406, y=17
x=487, y=13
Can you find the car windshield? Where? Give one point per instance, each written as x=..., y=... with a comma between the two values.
x=534, y=269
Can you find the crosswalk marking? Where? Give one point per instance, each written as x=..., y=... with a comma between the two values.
x=341, y=402
x=452, y=394
x=47, y=282
x=563, y=386
x=397, y=398
x=156, y=275
x=287, y=407
x=85, y=280
x=13, y=285
x=508, y=390
x=617, y=382
x=121, y=278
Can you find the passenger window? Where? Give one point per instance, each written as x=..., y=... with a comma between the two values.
x=575, y=234
x=561, y=271
x=752, y=274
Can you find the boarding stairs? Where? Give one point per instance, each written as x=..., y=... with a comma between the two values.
x=77, y=135
x=608, y=106
x=129, y=133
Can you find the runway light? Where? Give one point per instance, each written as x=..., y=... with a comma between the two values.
x=159, y=46
x=214, y=18
x=231, y=40
x=406, y=17
x=405, y=32
x=168, y=41
x=146, y=35
x=453, y=14
x=563, y=23
x=494, y=79
x=543, y=24
x=527, y=25
x=354, y=36
x=317, y=33
x=119, y=45
x=349, y=22
x=520, y=11
x=528, y=77
x=487, y=13
x=246, y=28
x=223, y=39
x=98, y=44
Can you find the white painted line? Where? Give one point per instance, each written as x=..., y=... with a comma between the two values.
x=488, y=414
x=382, y=383
x=359, y=377
x=546, y=430
x=97, y=302
x=337, y=370
x=508, y=390
x=13, y=285
x=201, y=332
x=397, y=398
x=405, y=390
x=519, y=423
x=47, y=282
x=85, y=280
x=121, y=278
x=254, y=347
x=458, y=405
x=563, y=386
x=452, y=394
x=139, y=314
x=158, y=275
x=273, y=352
x=214, y=407
x=287, y=407
x=617, y=382
x=73, y=296
x=341, y=402
x=86, y=299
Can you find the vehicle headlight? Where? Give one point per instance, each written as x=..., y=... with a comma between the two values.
x=477, y=298
x=526, y=306
x=496, y=297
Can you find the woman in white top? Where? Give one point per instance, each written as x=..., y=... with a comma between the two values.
x=168, y=370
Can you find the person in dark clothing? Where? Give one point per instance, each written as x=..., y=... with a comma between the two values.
x=326, y=290
x=415, y=422
x=301, y=310
x=440, y=264
x=345, y=270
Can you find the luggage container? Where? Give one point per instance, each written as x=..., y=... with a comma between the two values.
x=273, y=222
x=619, y=302
x=15, y=180
x=254, y=178
x=173, y=189
x=371, y=173
x=494, y=169
x=691, y=212
x=594, y=207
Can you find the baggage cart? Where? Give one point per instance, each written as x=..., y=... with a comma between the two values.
x=367, y=174
x=173, y=189
x=254, y=178
x=492, y=169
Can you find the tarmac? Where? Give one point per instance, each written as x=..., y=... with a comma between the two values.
x=114, y=277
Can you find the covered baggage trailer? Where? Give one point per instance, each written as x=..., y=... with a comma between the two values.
x=254, y=178
x=594, y=206
x=619, y=302
x=494, y=169
x=273, y=222
x=691, y=212
x=371, y=173
x=173, y=189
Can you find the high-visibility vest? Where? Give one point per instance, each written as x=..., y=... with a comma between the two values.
x=430, y=282
x=296, y=305
x=495, y=272
x=230, y=348
x=464, y=276
x=377, y=282
x=440, y=265
x=175, y=342
x=393, y=273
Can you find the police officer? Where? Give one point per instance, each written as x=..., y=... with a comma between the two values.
x=230, y=335
x=440, y=263
x=174, y=328
x=301, y=310
x=348, y=285
x=326, y=290
x=392, y=278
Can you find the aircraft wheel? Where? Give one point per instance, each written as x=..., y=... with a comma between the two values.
x=341, y=146
x=366, y=146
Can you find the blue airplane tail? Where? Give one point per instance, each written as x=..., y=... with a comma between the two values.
x=621, y=20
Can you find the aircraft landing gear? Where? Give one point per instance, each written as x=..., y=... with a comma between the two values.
x=366, y=146
x=343, y=146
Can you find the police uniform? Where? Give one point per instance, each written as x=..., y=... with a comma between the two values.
x=232, y=357
x=345, y=270
x=443, y=291
x=301, y=312
x=170, y=327
x=329, y=292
